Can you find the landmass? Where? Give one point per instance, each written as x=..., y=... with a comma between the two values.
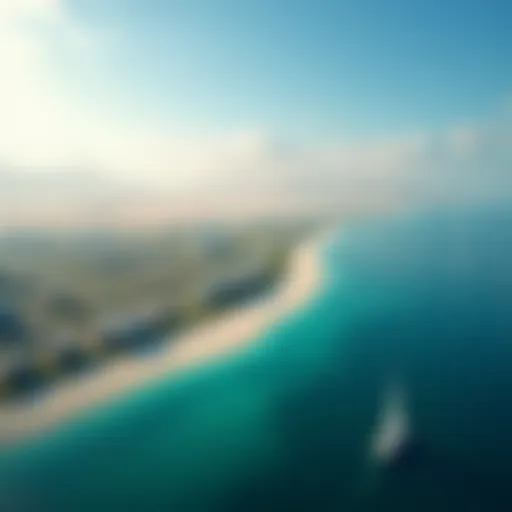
x=236, y=316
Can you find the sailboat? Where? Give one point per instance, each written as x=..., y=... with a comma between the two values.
x=392, y=438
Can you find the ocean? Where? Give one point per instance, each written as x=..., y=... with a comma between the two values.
x=286, y=424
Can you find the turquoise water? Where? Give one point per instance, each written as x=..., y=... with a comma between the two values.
x=285, y=424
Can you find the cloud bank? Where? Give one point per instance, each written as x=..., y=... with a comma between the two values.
x=60, y=165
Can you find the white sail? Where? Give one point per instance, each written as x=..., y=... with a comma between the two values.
x=392, y=431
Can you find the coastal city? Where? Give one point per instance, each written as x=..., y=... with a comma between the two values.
x=69, y=302
x=255, y=255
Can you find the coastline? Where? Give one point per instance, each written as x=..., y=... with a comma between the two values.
x=203, y=343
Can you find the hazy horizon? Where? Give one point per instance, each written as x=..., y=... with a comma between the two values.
x=132, y=113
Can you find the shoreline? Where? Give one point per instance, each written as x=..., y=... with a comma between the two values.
x=207, y=342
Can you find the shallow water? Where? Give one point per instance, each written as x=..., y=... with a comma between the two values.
x=286, y=425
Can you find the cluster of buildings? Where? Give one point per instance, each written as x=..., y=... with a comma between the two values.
x=26, y=366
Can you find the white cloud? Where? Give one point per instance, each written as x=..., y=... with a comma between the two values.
x=13, y=10
x=253, y=173
x=40, y=128
x=34, y=127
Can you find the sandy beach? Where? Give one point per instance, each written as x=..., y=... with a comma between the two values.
x=224, y=335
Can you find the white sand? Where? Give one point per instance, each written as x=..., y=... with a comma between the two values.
x=205, y=342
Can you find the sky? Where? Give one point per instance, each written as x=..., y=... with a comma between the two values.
x=137, y=110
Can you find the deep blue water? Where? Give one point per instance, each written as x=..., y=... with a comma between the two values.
x=285, y=424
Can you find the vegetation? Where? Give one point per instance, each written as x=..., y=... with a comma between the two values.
x=69, y=301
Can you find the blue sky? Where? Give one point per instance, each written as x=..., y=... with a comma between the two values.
x=322, y=67
x=175, y=93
